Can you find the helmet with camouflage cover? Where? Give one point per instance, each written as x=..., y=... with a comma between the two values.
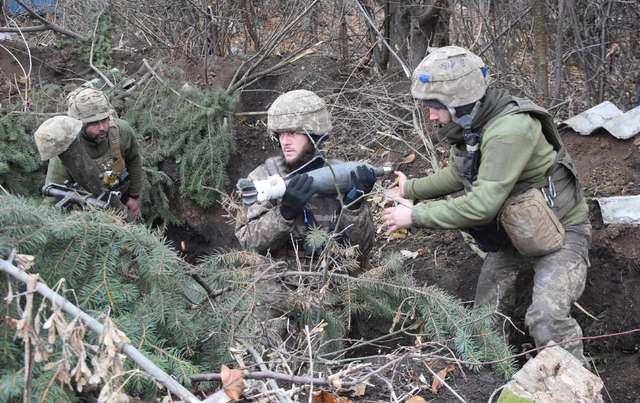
x=298, y=111
x=450, y=76
x=55, y=135
x=88, y=105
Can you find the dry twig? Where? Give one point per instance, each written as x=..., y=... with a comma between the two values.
x=50, y=25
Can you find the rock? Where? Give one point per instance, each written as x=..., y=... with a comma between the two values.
x=554, y=376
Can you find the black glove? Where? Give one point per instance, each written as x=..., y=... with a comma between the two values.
x=362, y=181
x=298, y=193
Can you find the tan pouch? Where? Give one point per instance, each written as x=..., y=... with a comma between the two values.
x=531, y=225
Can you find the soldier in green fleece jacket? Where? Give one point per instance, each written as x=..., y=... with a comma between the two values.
x=502, y=147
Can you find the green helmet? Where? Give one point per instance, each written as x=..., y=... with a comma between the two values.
x=55, y=135
x=451, y=76
x=88, y=105
x=298, y=111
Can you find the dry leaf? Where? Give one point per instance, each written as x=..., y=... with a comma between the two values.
x=359, y=390
x=416, y=399
x=326, y=397
x=409, y=159
x=323, y=396
x=399, y=234
x=437, y=383
x=232, y=382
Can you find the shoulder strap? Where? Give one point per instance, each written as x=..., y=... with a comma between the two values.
x=114, y=141
x=555, y=172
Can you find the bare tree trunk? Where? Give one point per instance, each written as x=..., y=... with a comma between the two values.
x=540, y=47
x=605, y=64
x=213, y=38
x=343, y=39
x=379, y=51
x=399, y=26
x=430, y=28
x=416, y=25
x=386, y=25
x=249, y=20
x=3, y=13
x=560, y=38
x=312, y=23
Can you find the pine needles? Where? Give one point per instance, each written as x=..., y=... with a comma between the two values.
x=112, y=267
x=189, y=127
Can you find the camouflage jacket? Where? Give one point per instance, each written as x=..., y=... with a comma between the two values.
x=104, y=157
x=262, y=228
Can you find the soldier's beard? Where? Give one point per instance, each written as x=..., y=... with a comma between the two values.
x=305, y=156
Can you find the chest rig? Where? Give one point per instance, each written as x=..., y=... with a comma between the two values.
x=111, y=163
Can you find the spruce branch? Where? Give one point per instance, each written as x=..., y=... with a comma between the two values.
x=7, y=267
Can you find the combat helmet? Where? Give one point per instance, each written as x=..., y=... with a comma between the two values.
x=449, y=76
x=55, y=135
x=88, y=105
x=298, y=111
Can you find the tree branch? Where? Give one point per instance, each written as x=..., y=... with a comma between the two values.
x=133, y=353
x=52, y=26
x=35, y=28
x=273, y=375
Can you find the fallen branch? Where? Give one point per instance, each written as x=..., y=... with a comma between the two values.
x=35, y=28
x=52, y=26
x=300, y=380
x=158, y=374
x=272, y=384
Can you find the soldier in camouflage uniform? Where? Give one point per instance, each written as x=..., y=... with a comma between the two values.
x=109, y=143
x=299, y=121
x=501, y=146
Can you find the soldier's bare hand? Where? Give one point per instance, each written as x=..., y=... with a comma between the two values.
x=402, y=179
x=397, y=217
x=134, y=208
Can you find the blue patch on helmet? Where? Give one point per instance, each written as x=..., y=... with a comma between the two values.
x=484, y=71
x=424, y=78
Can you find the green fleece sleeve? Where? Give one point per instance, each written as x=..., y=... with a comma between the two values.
x=132, y=157
x=443, y=182
x=505, y=152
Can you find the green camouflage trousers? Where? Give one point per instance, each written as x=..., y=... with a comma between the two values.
x=559, y=280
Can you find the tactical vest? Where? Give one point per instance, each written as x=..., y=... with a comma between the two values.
x=111, y=164
x=560, y=185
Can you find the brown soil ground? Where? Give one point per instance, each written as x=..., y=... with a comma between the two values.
x=607, y=167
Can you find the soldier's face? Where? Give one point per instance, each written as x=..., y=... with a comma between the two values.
x=439, y=116
x=293, y=145
x=98, y=131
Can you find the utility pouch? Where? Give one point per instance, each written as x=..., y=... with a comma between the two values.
x=532, y=227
